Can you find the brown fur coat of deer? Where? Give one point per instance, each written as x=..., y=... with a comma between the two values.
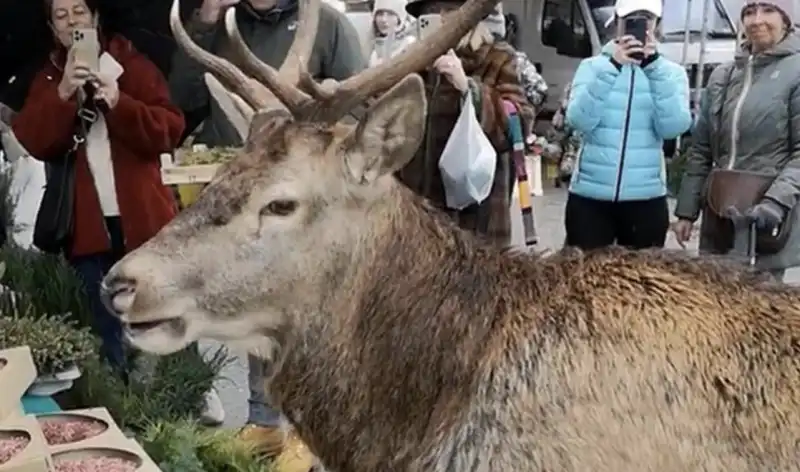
x=616, y=361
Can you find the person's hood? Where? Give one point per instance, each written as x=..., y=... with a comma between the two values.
x=405, y=30
x=789, y=46
x=398, y=7
x=282, y=10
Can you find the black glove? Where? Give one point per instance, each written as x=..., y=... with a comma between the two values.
x=767, y=215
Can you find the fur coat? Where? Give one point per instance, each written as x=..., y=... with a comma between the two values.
x=492, y=66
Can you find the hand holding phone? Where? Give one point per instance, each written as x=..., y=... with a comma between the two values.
x=637, y=28
x=629, y=50
x=75, y=75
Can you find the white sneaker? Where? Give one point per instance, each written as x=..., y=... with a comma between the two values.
x=213, y=412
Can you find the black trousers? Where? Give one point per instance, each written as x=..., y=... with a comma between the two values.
x=593, y=224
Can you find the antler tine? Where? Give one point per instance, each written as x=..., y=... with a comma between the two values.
x=416, y=58
x=282, y=83
x=255, y=94
x=304, y=39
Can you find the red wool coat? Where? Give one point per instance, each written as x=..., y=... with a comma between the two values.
x=142, y=126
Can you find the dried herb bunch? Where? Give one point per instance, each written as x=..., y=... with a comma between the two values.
x=200, y=156
x=55, y=342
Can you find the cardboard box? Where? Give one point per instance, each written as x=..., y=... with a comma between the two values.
x=112, y=430
x=35, y=457
x=108, y=446
x=17, y=373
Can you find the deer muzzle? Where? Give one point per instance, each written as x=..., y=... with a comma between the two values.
x=118, y=293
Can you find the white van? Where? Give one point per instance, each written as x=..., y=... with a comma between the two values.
x=558, y=34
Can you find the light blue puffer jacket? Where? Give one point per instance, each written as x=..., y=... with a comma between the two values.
x=623, y=116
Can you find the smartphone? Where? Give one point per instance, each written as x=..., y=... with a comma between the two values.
x=637, y=27
x=86, y=45
x=427, y=24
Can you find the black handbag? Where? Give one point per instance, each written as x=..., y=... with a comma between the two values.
x=52, y=231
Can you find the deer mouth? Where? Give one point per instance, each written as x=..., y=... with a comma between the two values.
x=174, y=325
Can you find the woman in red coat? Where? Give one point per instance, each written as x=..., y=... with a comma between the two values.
x=119, y=201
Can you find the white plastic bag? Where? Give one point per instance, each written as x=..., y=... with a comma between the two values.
x=468, y=161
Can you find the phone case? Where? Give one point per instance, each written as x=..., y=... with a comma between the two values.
x=427, y=24
x=87, y=47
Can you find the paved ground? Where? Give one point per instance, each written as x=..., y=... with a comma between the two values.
x=548, y=211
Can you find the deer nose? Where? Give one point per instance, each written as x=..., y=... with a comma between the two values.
x=118, y=293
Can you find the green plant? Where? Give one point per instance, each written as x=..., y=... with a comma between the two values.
x=174, y=389
x=185, y=447
x=55, y=342
x=51, y=285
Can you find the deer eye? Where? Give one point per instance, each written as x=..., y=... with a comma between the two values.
x=279, y=208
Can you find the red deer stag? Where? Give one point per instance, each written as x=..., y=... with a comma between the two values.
x=404, y=344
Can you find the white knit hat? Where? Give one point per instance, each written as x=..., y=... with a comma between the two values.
x=626, y=7
x=398, y=7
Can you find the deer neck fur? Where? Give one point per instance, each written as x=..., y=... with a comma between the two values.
x=420, y=293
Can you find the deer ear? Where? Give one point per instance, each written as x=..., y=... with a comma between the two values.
x=263, y=124
x=387, y=138
x=239, y=114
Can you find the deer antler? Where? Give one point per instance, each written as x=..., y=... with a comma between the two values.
x=283, y=83
x=254, y=93
x=323, y=103
x=271, y=88
x=417, y=57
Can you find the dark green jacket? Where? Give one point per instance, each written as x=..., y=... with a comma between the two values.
x=750, y=120
x=337, y=55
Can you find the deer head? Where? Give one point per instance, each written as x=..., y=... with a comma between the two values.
x=281, y=224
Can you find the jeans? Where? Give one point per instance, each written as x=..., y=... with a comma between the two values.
x=260, y=412
x=91, y=269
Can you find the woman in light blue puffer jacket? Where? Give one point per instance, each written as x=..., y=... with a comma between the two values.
x=625, y=102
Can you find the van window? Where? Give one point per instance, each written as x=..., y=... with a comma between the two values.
x=720, y=26
x=563, y=24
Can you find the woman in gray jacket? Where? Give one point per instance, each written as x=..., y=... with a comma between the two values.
x=749, y=125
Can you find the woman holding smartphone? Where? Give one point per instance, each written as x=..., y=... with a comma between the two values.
x=625, y=102
x=119, y=200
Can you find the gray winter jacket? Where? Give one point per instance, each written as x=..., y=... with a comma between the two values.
x=337, y=54
x=750, y=120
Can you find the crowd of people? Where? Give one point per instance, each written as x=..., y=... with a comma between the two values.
x=110, y=122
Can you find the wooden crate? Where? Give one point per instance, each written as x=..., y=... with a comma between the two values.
x=173, y=174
